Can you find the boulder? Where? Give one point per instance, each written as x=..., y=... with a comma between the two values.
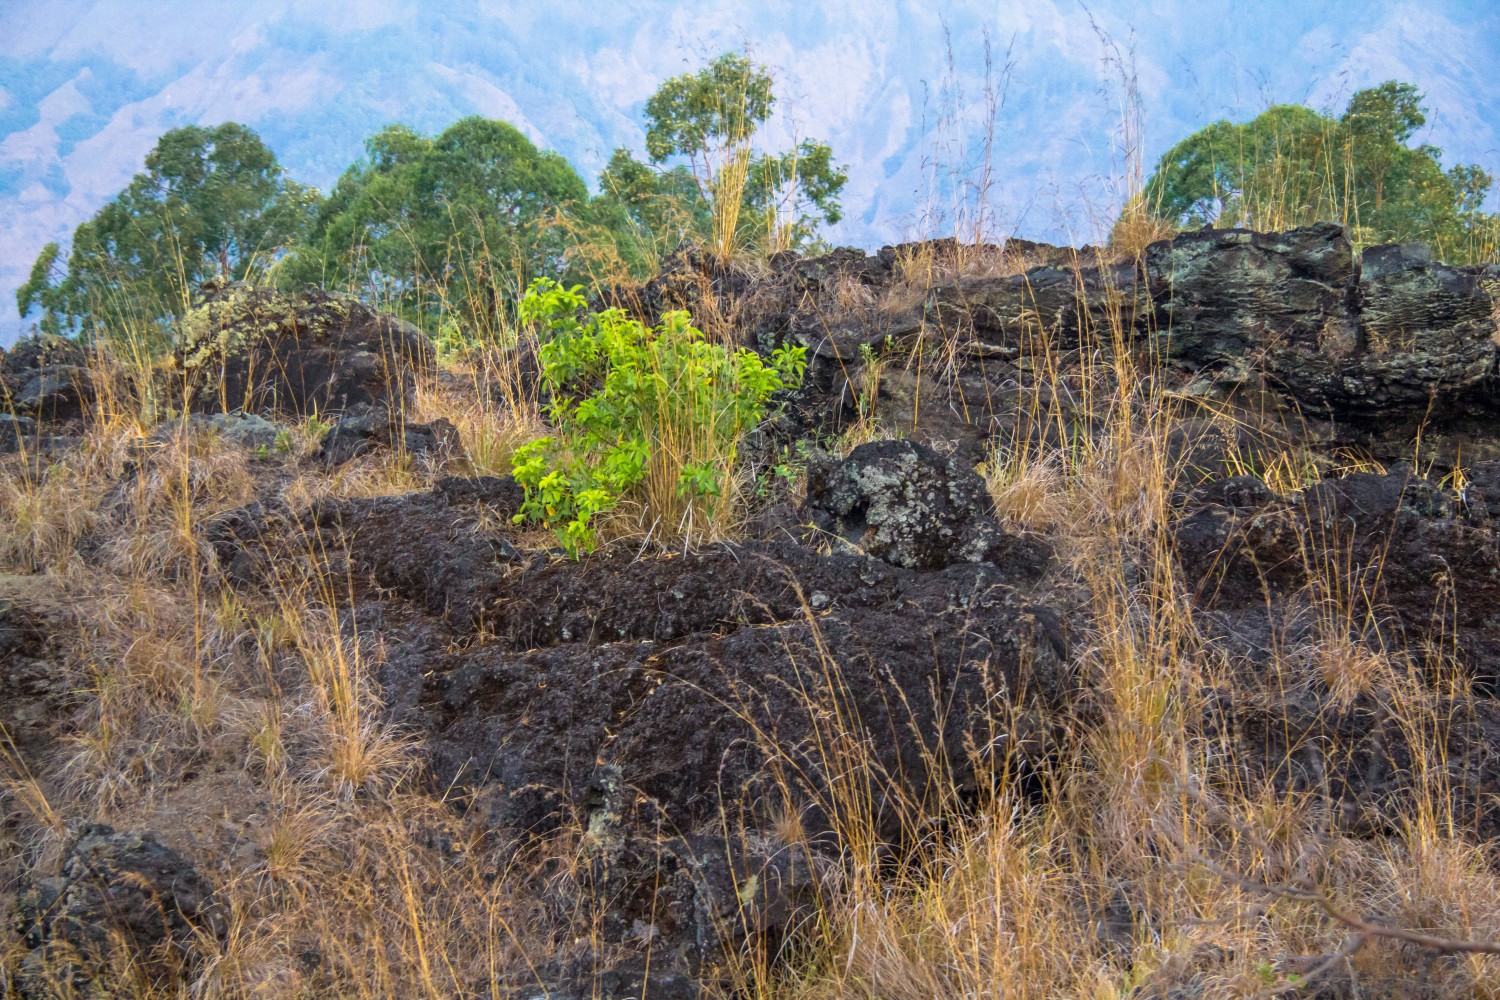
x=46, y=377
x=906, y=504
x=113, y=896
x=268, y=352
x=1224, y=296
x=379, y=428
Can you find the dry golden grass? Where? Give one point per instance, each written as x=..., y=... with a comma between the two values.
x=1150, y=858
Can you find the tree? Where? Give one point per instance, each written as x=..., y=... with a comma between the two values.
x=643, y=212
x=455, y=225
x=211, y=202
x=709, y=118
x=1291, y=165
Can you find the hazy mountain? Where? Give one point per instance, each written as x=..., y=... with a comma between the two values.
x=897, y=88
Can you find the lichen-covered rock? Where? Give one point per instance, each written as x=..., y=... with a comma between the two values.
x=903, y=502
x=265, y=351
x=114, y=896
x=245, y=429
x=1223, y=296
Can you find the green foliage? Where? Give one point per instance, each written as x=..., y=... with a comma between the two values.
x=453, y=226
x=798, y=187
x=720, y=105
x=710, y=118
x=1291, y=165
x=212, y=202
x=635, y=407
x=647, y=211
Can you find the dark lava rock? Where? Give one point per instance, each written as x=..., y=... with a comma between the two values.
x=680, y=704
x=725, y=702
x=691, y=899
x=111, y=892
x=903, y=502
x=16, y=433
x=428, y=545
x=36, y=694
x=1381, y=345
x=263, y=351
x=1221, y=295
x=1376, y=349
x=1045, y=308
x=381, y=429
x=1391, y=564
x=46, y=377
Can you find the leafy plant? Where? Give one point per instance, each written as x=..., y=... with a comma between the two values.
x=653, y=414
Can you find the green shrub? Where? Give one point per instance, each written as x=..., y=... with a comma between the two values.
x=650, y=415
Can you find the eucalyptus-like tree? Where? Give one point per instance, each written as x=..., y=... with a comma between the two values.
x=212, y=202
x=701, y=128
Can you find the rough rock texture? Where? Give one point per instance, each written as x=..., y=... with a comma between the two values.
x=998, y=317
x=113, y=895
x=36, y=694
x=696, y=717
x=1222, y=296
x=381, y=429
x=695, y=897
x=1345, y=350
x=1428, y=562
x=903, y=502
x=632, y=661
x=651, y=694
x=245, y=429
x=263, y=351
x=1386, y=563
x=16, y=433
x=45, y=377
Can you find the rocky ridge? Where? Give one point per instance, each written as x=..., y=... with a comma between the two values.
x=675, y=704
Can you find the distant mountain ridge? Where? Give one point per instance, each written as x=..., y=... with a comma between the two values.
x=87, y=86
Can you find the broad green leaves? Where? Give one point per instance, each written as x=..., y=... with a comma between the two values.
x=629, y=402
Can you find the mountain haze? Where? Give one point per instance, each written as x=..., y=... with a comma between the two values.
x=87, y=86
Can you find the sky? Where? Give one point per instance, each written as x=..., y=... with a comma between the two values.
x=897, y=88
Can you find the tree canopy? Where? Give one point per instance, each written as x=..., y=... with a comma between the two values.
x=1291, y=165
x=454, y=223
x=211, y=202
x=709, y=119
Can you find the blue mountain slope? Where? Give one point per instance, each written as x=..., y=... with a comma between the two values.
x=897, y=88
